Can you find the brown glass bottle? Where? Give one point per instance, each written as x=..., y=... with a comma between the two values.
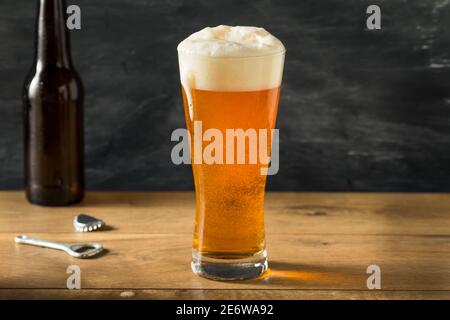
x=53, y=115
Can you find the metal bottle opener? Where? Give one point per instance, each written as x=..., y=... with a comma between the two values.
x=77, y=250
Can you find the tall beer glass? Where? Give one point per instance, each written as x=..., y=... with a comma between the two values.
x=230, y=79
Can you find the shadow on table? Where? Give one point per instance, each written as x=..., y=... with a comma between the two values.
x=101, y=254
x=307, y=276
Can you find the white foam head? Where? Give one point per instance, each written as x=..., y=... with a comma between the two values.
x=227, y=58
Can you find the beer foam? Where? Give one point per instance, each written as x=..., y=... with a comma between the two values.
x=227, y=58
x=226, y=41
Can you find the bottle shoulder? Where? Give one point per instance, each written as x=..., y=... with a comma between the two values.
x=51, y=80
x=62, y=73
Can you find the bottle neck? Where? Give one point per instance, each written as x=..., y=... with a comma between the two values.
x=52, y=37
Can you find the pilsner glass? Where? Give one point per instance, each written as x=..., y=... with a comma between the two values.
x=230, y=81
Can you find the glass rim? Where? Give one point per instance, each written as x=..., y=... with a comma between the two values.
x=233, y=57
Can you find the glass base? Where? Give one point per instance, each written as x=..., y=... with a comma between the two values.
x=229, y=269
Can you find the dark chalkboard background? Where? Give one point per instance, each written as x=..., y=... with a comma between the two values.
x=360, y=110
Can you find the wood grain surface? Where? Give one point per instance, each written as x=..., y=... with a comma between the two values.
x=319, y=244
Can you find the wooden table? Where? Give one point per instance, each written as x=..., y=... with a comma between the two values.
x=319, y=244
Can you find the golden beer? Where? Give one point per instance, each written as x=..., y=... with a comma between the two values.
x=222, y=93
